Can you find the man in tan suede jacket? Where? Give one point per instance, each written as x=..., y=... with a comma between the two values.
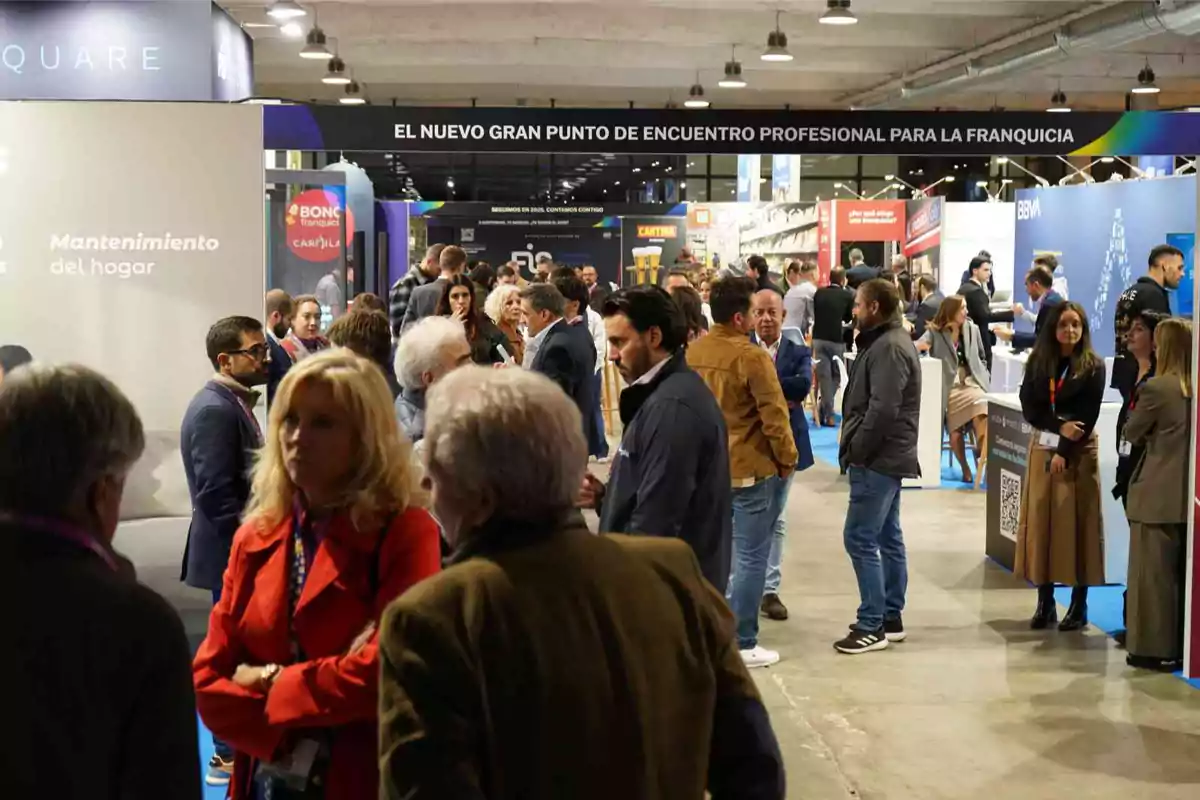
x=762, y=451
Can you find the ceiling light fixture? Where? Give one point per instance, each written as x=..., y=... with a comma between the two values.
x=315, y=47
x=696, y=98
x=336, y=76
x=1058, y=102
x=1146, y=84
x=285, y=9
x=837, y=12
x=353, y=95
x=777, y=44
x=733, y=73
x=292, y=30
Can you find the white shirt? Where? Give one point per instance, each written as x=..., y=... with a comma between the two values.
x=651, y=373
x=532, y=343
x=772, y=349
x=595, y=324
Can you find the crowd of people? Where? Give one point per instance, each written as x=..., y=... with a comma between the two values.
x=407, y=600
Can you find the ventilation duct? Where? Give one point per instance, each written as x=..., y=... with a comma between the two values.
x=1109, y=29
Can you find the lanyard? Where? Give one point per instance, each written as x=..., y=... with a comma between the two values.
x=65, y=531
x=1056, y=387
x=1137, y=387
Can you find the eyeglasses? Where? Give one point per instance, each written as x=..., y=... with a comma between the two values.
x=258, y=351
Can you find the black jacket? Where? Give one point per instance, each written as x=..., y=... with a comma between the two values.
x=281, y=362
x=881, y=408
x=567, y=356
x=857, y=276
x=1145, y=295
x=217, y=443
x=1023, y=340
x=980, y=312
x=670, y=476
x=833, y=307
x=99, y=703
x=926, y=312
x=1078, y=401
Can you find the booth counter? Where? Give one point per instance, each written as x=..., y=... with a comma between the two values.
x=1008, y=442
x=1008, y=370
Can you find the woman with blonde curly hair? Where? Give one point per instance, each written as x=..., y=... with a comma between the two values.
x=333, y=533
x=503, y=307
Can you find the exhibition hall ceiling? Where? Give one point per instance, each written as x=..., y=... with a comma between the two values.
x=902, y=53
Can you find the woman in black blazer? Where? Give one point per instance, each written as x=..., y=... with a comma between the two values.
x=1060, y=537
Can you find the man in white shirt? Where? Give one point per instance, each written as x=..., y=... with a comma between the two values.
x=798, y=302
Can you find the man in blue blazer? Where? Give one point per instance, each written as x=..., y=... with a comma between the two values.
x=793, y=365
x=1039, y=283
x=218, y=440
x=563, y=352
x=279, y=321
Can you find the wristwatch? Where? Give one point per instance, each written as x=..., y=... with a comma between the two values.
x=269, y=673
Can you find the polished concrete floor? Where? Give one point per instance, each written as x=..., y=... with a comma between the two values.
x=973, y=705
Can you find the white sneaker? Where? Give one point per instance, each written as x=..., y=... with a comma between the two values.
x=759, y=657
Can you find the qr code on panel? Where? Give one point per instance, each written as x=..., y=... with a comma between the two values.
x=1010, y=503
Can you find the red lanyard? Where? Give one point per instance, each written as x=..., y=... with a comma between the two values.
x=1056, y=387
x=65, y=531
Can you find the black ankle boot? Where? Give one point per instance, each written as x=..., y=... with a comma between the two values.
x=1047, y=612
x=1076, y=617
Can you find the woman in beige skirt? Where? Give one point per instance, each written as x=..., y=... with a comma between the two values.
x=1060, y=537
x=1160, y=419
x=952, y=338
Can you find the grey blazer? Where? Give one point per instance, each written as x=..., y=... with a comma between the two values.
x=941, y=347
x=1160, y=419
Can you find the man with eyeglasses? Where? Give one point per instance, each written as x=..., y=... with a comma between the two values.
x=218, y=440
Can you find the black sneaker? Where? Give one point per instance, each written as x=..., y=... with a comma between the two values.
x=862, y=642
x=894, y=630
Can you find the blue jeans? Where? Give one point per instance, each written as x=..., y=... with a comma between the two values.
x=875, y=545
x=598, y=447
x=220, y=748
x=754, y=512
x=779, y=532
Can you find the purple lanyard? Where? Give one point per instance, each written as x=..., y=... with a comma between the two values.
x=65, y=531
x=245, y=409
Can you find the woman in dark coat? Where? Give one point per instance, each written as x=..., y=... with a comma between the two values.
x=1060, y=536
x=458, y=301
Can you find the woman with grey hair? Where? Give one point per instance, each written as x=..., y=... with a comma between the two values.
x=543, y=645
x=113, y=714
x=427, y=351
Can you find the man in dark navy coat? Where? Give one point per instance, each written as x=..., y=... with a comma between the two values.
x=563, y=352
x=279, y=321
x=219, y=437
x=793, y=365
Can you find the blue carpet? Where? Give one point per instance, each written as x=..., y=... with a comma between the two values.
x=825, y=448
x=206, y=753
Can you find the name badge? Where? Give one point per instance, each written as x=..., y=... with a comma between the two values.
x=1124, y=448
x=1047, y=439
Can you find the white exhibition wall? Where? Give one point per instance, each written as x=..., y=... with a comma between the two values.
x=126, y=230
x=968, y=228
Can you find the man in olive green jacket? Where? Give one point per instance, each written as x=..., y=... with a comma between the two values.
x=762, y=450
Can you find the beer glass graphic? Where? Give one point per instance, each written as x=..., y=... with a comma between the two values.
x=640, y=260
x=654, y=256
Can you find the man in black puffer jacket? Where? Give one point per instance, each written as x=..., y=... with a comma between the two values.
x=880, y=415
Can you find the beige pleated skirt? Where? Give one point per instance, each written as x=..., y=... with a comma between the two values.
x=1060, y=532
x=966, y=400
x=1157, y=577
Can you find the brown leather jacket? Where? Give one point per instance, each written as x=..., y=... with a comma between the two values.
x=741, y=375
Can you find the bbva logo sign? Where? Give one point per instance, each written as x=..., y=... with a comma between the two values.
x=1029, y=209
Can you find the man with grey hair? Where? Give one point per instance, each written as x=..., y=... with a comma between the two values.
x=859, y=273
x=429, y=350
x=563, y=352
x=549, y=598
x=102, y=702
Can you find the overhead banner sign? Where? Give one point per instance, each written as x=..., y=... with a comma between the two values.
x=667, y=131
x=131, y=50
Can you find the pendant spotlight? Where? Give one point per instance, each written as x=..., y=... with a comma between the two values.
x=353, y=95
x=696, y=98
x=1058, y=102
x=837, y=12
x=285, y=9
x=777, y=44
x=733, y=73
x=1145, y=81
x=336, y=76
x=315, y=48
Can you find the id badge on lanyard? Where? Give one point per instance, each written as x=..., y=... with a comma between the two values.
x=1047, y=438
